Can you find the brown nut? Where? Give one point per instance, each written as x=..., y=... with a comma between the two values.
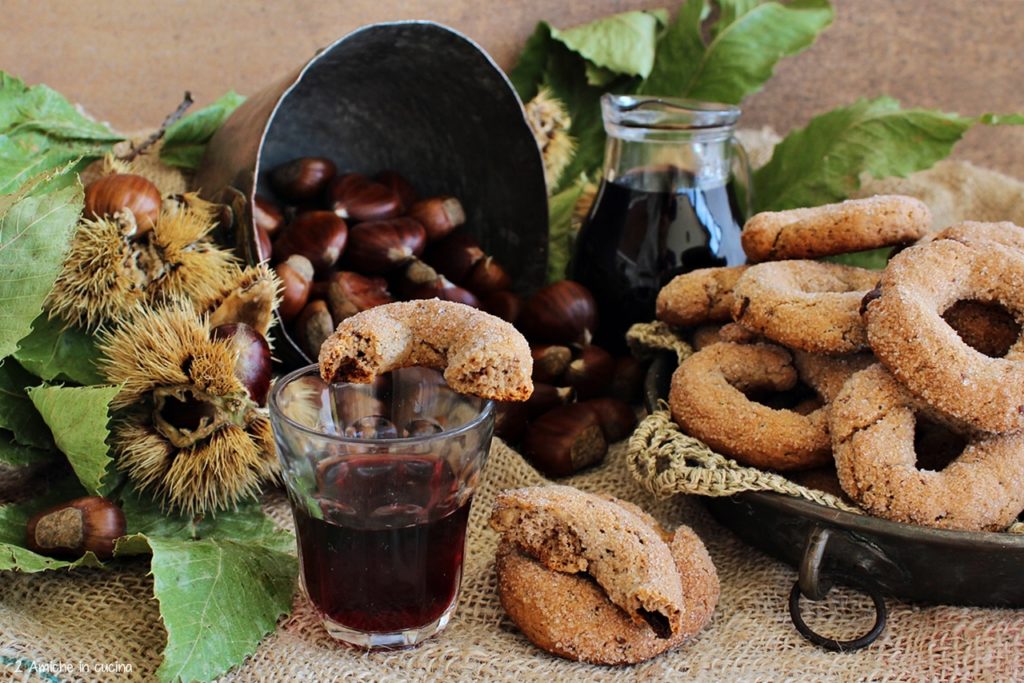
x=443, y=289
x=400, y=185
x=349, y=293
x=506, y=305
x=439, y=215
x=357, y=197
x=565, y=440
x=591, y=373
x=264, y=247
x=296, y=276
x=313, y=326
x=455, y=255
x=88, y=524
x=546, y=397
x=550, y=362
x=510, y=420
x=562, y=313
x=487, y=276
x=266, y=215
x=252, y=362
x=116, y=192
x=617, y=417
x=303, y=179
x=378, y=247
x=628, y=379
x=320, y=236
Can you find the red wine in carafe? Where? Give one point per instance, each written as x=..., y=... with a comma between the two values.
x=645, y=228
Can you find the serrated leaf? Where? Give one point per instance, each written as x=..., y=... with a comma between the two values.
x=17, y=412
x=35, y=231
x=185, y=140
x=77, y=417
x=55, y=353
x=14, y=556
x=218, y=599
x=822, y=162
x=40, y=131
x=528, y=73
x=622, y=43
x=560, y=232
x=748, y=40
x=13, y=454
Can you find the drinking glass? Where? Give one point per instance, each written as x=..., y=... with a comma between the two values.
x=380, y=478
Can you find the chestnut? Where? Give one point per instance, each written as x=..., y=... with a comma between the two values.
x=565, y=440
x=296, y=276
x=455, y=255
x=320, y=236
x=357, y=197
x=443, y=289
x=400, y=185
x=510, y=420
x=439, y=215
x=313, y=326
x=617, y=417
x=628, y=379
x=546, y=397
x=550, y=362
x=591, y=373
x=506, y=305
x=349, y=293
x=253, y=364
x=303, y=179
x=87, y=524
x=378, y=247
x=116, y=192
x=266, y=215
x=487, y=276
x=562, y=313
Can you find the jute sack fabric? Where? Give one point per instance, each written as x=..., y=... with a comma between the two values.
x=109, y=618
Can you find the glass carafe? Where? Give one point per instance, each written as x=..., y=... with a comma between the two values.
x=673, y=197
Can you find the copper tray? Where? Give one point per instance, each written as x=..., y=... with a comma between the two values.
x=877, y=556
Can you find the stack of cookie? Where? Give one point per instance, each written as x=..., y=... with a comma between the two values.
x=910, y=381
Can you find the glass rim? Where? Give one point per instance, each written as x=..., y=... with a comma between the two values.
x=666, y=113
x=486, y=411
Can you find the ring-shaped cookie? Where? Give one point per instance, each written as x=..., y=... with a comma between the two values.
x=805, y=305
x=570, y=616
x=853, y=225
x=909, y=336
x=873, y=422
x=707, y=400
x=700, y=296
x=479, y=353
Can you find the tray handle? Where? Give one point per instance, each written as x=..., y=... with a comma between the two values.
x=814, y=585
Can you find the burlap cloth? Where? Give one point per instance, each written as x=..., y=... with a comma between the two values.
x=109, y=617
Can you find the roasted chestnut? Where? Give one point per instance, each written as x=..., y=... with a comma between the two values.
x=296, y=276
x=266, y=215
x=439, y=215
x=550, y=362
x=313, y=326
x=402, y=187
x=591, y=373
x=506, y=305
x=487, y=276
x=455, y=255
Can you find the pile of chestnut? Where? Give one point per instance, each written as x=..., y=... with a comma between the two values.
x=344, y=243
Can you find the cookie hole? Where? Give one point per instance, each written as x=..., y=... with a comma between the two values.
x=657, y=621
x=987, y=327
x=936, y=445
x=801, y=398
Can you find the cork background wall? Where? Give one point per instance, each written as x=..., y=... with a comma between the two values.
x=129, y=61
